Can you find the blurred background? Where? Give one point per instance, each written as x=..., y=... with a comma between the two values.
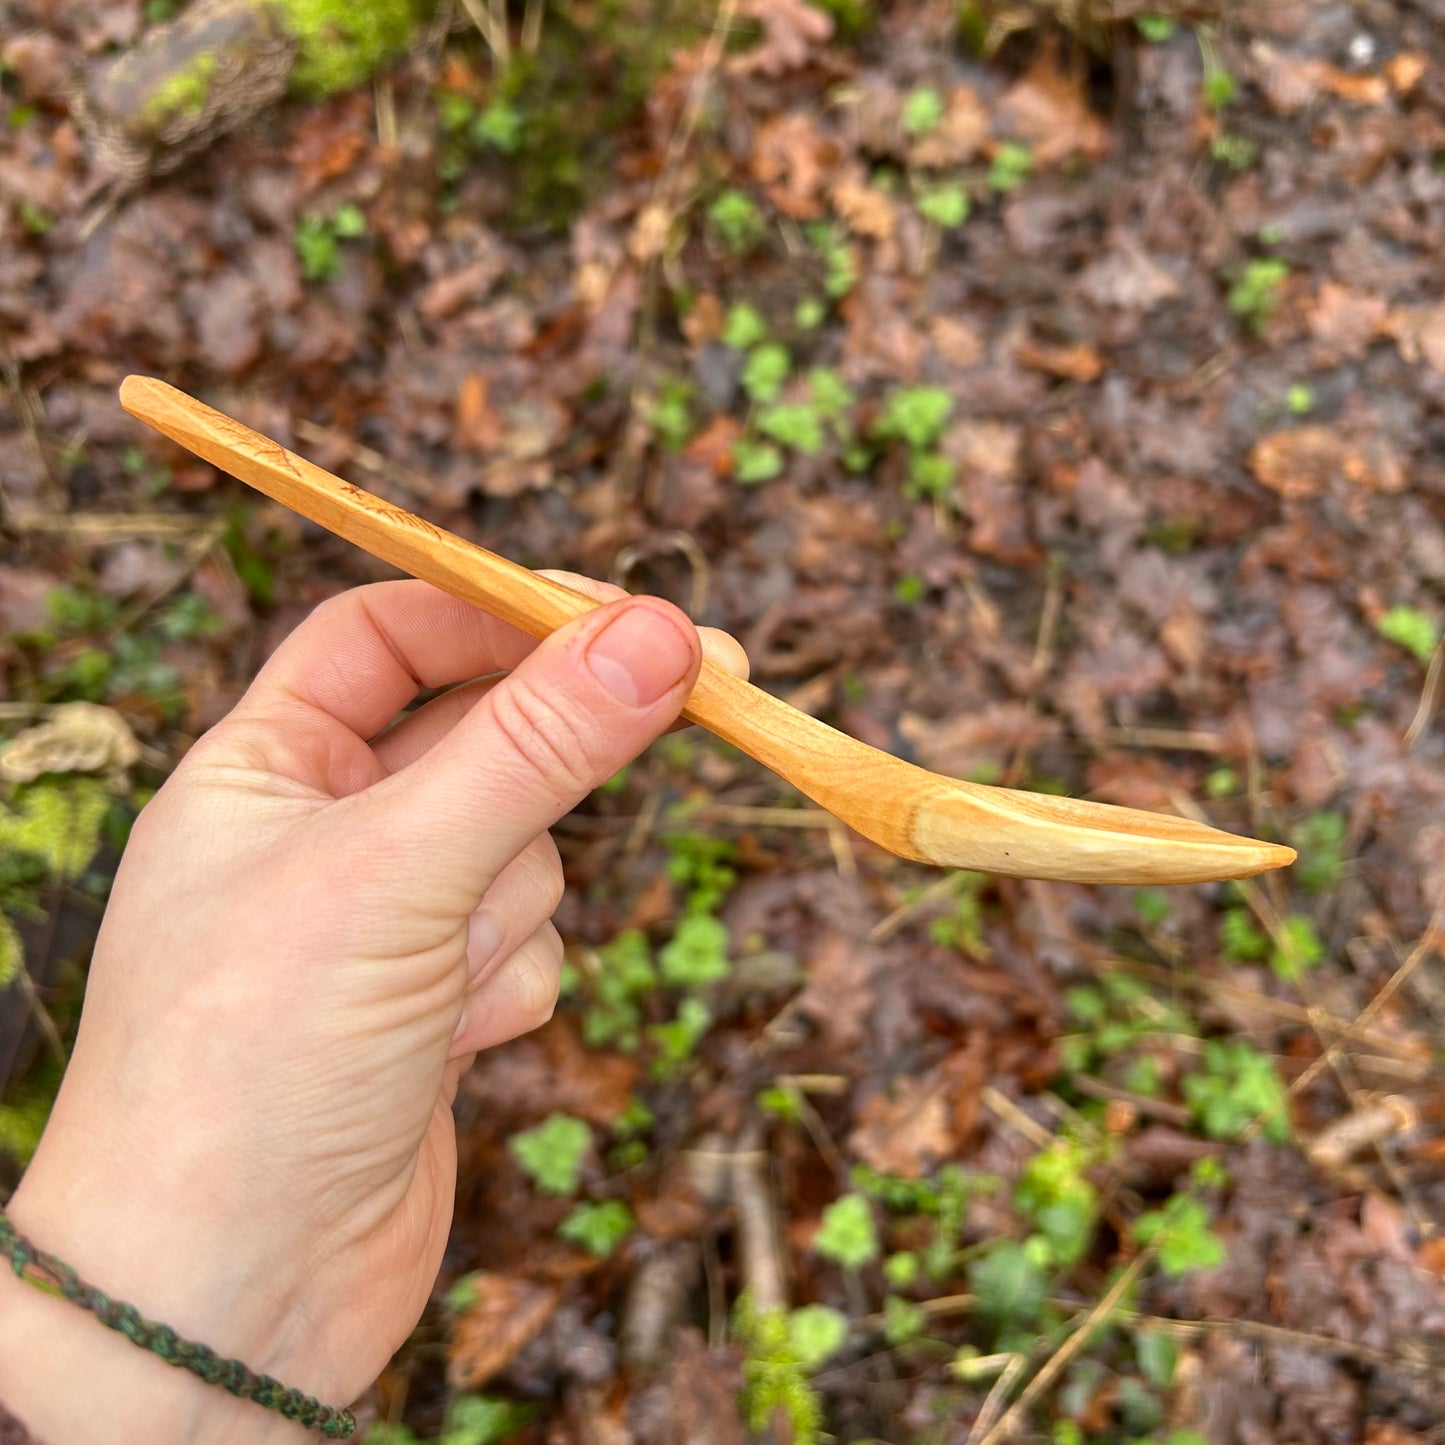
x=1049, y=391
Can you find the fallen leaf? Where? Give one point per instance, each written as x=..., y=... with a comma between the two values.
x=1345, y=321
x=1292, y=82
x=1128, y=278
x=958, y=137
x=792, y=31
x=507, y=1314
x=1419, y=333
x=792, y=159
x=1046, y=108
x=1406, y=70
x=866, y=210
x=1298, y=463
x=907, y=1134
x=477, y=427
x=956, y=341
x=1079, y=362
x=838, y=997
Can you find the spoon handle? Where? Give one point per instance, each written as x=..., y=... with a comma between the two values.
x=903, y=808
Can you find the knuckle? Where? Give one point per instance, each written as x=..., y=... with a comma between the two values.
x=549, y=743
x=539, y=967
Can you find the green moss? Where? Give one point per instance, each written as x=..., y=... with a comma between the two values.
x=343, y=42
x=585, y=85
x=183, y=93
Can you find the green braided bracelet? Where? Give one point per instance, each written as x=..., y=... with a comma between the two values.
x=53, y=1276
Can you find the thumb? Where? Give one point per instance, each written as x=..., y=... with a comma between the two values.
x=581, y=706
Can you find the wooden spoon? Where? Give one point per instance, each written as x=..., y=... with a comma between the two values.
x=906, y=809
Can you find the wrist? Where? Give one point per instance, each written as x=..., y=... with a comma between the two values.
x=72, y=1379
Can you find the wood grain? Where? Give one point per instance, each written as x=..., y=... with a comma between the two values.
x=905, y=809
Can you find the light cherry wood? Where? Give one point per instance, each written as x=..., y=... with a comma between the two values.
x=906, y=809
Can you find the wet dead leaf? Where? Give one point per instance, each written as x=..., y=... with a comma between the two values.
x=866, y=210
x=507, y=1315
x=792, y=159
x=793, y=31
x=1079, y=362
x=1046, y=108
x=959, y=137
x=1299, y=463
x=1345, y=321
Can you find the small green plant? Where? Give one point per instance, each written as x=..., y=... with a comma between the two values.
x=670, y=414
x=1220, y=87
x=500, y=127
x=1181, y=1233
x=743, y=327
x=676, y=1041
x=798, y=425
x=1239, y=940
x=1009, y=1283
x=909, y=589
x=1412, y=629
x=697, y=953
x=318, y=240
x=903, y=1320
x=1256, y=290
x=808, y=314
x=962, y=926
x=782, y=1352
x=922, y=111
x=1056, y=1196
x=470, y=1420
x=598, y=1228
x=1237, y=152
x=847, y=1234
x=624, y=978
x=765, y=371
x=916, y=415
x=1237, y=1087
x=1299, y=400
x=1297, y=947
x=738, y=222
x=930, y=476
x=1320, y=842
x=946, y=205
x=1011, y=166
x=551, y=1154
x=1221, y=782
x=755, y=461
x=1156, y=29
x=37, y=222
x=840, y=265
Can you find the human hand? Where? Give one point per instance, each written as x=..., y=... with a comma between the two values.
x=317, y=922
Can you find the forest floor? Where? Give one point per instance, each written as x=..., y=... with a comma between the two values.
x=1066, y=413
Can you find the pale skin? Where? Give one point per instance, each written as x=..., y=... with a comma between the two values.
x=319, y=921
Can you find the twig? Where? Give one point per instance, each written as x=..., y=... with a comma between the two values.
x=532, y=27
x=195, y=553
x=1426, y=707
x=494, y=36
x=1055, y=1365
x=41, y=1014
x=1010, y=1113
x=757, y=1227
x=1179, y=740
